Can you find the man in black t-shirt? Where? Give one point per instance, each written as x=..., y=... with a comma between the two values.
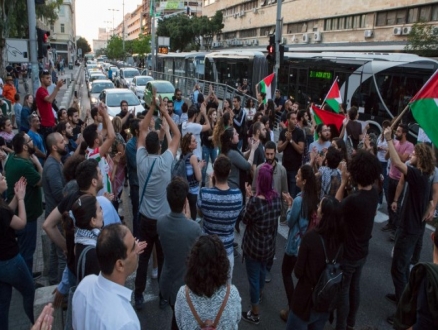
x=415, y=206
x=291, y=143
x=358, y=210
x=125, y=115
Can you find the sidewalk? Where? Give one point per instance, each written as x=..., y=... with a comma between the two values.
x=17, y=318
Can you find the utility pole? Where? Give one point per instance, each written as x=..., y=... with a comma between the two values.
x=113, y=10
x=123, y=28
x=33, y=45
x=152, y=15
x=278, y=31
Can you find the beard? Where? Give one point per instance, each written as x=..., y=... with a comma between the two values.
x=31, y=150
x=398, y=138
x=270, y=161
x=68, y=135
x=62, y=152
x=324, y=138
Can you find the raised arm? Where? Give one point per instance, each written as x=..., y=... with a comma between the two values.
x=174, y=143
x=144, y=124
x=111, y=135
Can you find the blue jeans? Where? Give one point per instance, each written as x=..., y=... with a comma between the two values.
x=350, y=294
x=207, y=153
x=403, y=251
x=292, y=183
x=256, y=271
x=385, y=182
x=316, y=321
x=26, y=238
x=15, y=274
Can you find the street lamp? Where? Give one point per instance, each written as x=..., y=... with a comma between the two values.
x=113, y=10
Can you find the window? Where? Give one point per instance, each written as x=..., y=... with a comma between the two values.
x=348, y=22
x=62, y=28
x=52, y=27
x=341, y=23
x=328, y=24
x=296, y=28
x=335, y=24
x=390, y=18
x=413, y=15
x=401, y=16
x=435, y=13
x=425, y=13
x=248, y=33
x=381, y=19
x=264, y=31
x=230, y=35
x=250, y=5
x=61, y=10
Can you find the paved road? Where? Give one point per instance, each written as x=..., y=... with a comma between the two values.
x=376, y=280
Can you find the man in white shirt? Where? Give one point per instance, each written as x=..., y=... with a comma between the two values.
x=103, y=302
x=191, y=126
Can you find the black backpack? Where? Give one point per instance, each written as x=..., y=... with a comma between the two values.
x=326, y=291
x=179, y=169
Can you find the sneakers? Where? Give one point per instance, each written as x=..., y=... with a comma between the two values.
x=250, y=317
x=154, y=273
x=268, y=277
x=284, y=314
x=388, y=227
x=391, y=297
x=139, y=303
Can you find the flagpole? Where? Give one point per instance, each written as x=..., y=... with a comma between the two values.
x=396, y=120
x=336, y=79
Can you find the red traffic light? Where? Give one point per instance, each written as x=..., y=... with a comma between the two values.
x=271, y=49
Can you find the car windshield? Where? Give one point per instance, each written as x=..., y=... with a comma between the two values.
x=113, y=100
x=164, y=87
x=131, y=73
x=143, y=81
x=97, y=88
x=96, y=77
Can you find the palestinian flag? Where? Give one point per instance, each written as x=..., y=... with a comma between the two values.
x=327, y=117
x=333, y=98
x=424, y=107
x=265, y=87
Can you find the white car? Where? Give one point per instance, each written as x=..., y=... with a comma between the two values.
x=97, y=87
x=96, y=76
x=125, y=77
x=138, y=85
x=113, y=97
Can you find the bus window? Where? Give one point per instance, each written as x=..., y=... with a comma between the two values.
x=232, y=73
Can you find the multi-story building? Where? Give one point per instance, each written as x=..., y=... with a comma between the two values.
x=63, y=32
x=344, y=25
x=132, y=25
x=101, y=42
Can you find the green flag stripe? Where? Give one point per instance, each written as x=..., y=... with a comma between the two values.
x=425, y=112
x=333, y=104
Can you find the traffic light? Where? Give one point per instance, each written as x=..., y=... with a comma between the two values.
x=43, y=42
x=271, y=49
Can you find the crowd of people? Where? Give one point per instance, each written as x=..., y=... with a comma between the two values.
x=326, y=190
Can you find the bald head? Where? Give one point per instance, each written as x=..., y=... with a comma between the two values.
x=55, y=143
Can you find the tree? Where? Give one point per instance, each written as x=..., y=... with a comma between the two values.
x=83, y=44
x=186, y=31
x=114, y=48
x=423, y=40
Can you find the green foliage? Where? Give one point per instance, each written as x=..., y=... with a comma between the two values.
x=83, y=44
x=14, y=20
x=187, y=32
x=423, y=40
x=114, y=49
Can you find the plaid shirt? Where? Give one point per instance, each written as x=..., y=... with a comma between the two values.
x=261, y=219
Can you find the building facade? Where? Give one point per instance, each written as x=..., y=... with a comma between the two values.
x=63, y=33
x=375, y=25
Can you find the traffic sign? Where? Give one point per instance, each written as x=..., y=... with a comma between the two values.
x=17, y=50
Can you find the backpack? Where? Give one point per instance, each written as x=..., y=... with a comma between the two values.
x=207, y=324
x=179, y=169
x=326, y=292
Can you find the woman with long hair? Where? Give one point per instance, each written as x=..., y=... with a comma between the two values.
x=257, y=117
x=269, y=132
x=13, y=270
x=258, y=245
x=84, y=221
x=270, y=111
x=340, y=145
x=193, y=170
x=25, y=112
x=326, y=239
x=6, y=133
x=206, y=288
x=302, y=210
x=222, y=124
x=249, y=109
x=209, y=151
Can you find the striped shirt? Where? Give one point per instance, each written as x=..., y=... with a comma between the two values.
x=220, y=209
x=104, y=169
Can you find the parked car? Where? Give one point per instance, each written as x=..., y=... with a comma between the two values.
x=125, y=77
x=97, y=86
x=163, y=87
x=138, y=85
x=113, y=97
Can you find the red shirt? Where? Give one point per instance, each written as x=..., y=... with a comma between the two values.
x=45, y=108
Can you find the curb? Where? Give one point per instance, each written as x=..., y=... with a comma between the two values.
x=68, y=95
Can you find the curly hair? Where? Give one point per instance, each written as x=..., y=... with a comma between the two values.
x=425, y=158
x=227, y=140
x=207, y=266
x=364, y=168
x=185, y=143
x=219, y=128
